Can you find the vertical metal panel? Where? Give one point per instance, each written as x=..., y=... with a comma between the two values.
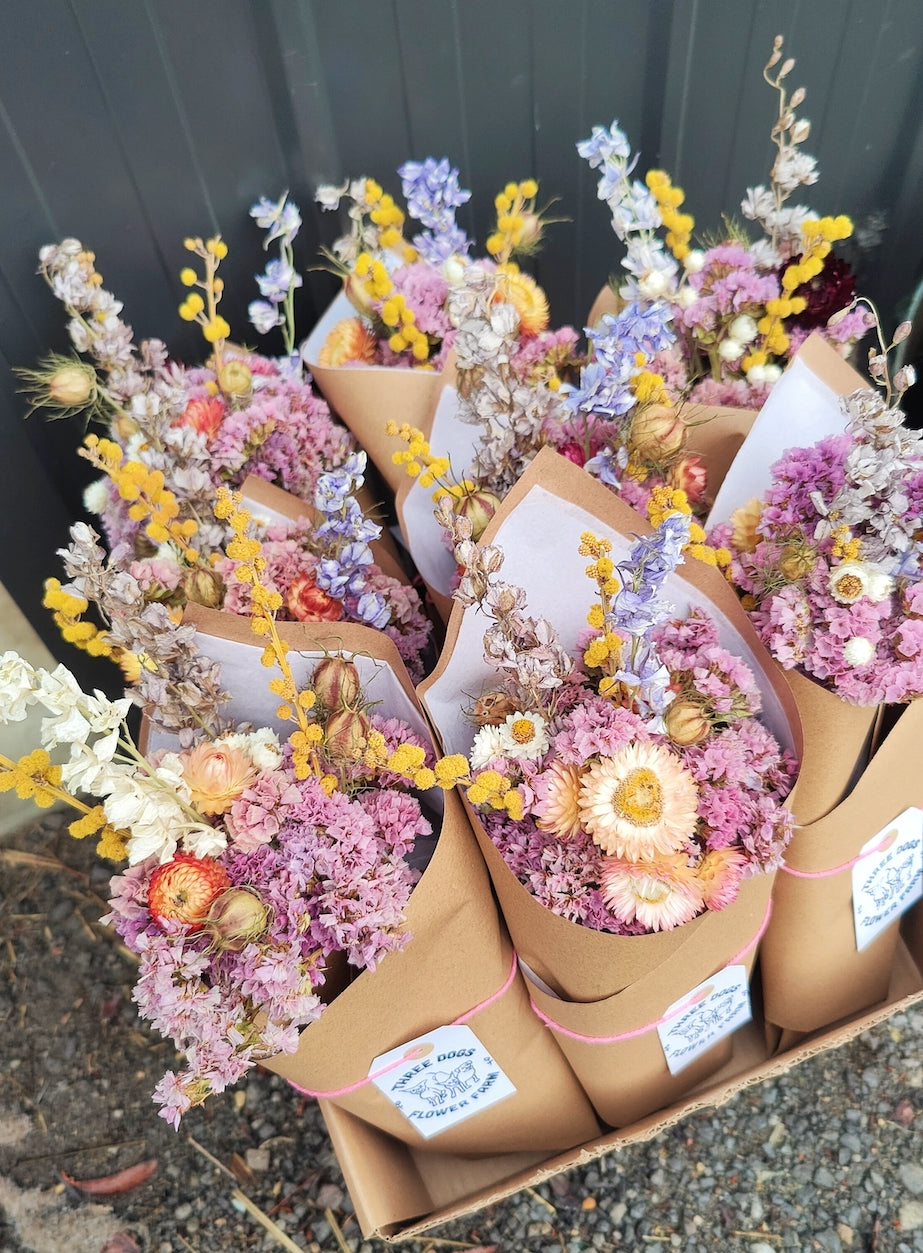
x=133, y=125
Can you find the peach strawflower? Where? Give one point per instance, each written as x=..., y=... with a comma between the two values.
x=184, y=888
x=527, y=298
x=204, y=416
x=307, y=602
x=661, y=893
x=216, y=775
x=558, y=809
x=640, y=803
x=720, y=872
x=690, y=475
x=350, y=342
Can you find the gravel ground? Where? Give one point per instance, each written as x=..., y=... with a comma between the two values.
x=829, y=1157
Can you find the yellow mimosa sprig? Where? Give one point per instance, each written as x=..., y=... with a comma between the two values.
x=394, y=311
x=419, y=462
x=67, y=611
x=295, y=702
x=604, y=652
x=389, y=219
x=35, y=777
x=818, y=237
x=468, y=500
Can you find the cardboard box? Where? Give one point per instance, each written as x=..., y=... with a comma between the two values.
x=399, y=1193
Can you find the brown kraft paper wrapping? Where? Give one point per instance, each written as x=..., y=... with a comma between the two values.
x=813, y=974
x=812, y=971
x=607, y=301
x=596, y=973
x=367, y=397
x=608, y=985
x=459, y=955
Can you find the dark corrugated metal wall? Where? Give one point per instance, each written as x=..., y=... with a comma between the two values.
x=134, y=123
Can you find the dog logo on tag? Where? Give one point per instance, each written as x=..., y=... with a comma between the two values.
x=889, y=882
x=439, y=1087
x=888, y=876
x=708, y=1020
x=440, y=1079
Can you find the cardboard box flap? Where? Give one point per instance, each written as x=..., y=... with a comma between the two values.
x=375, y=1173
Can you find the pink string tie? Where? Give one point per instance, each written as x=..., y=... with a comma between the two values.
x=690, y=1000
x=878, y=847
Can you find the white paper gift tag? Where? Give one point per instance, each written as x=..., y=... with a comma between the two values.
x=704, y=1016
x=889, y=879
x=450, y=1077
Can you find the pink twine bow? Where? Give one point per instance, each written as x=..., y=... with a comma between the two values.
x=878, y=847
x=418, y=1050
x=659, y=1022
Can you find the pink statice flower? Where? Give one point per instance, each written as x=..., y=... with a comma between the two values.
x=832, y=571
x=582, y=802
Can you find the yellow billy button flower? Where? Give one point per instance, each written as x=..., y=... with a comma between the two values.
x=450, y=770
x=113, y=844
x=204, y=308
x=679, y=226
x=376, y=751
x=406, y=760
x=519, y=226
x=91, y=822
x=67, y=611
x=32, y=777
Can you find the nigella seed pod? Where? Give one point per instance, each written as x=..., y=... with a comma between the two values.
x=204, y=587
x=657, y=432
x=492, y=709
x=336, y=683
x=235, y=377
x=478, y=507
x=346, y=735
x=685, y=723
x=355, y=292
x=237, y=918
x=72, y=385
x=796, y=563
